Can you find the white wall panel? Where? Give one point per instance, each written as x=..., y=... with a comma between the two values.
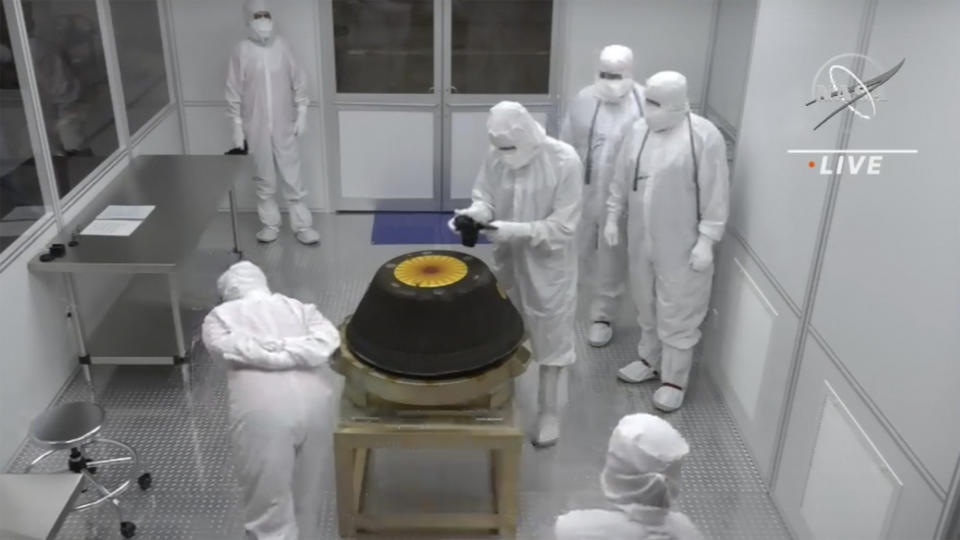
x=469, y=146
x=847, y=477
x=889, y=297
x=776, y=199
x=731, y=56
x=746, y=339
x=663, y=35
x=747, y=345
x=387, y=154
x=844, y=458
x=207, y=30
x=164, y=138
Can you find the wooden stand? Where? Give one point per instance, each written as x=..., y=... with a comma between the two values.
x=360, y=431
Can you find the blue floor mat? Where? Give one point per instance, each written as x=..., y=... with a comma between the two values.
x=413, y=228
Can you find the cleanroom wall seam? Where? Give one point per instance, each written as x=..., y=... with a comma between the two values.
x=171, y=37
x=949, y=526
x=816, y=265
x=319, y=62
x=708, y=60
x=114, y=83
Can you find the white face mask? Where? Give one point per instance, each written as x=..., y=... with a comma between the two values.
x=263, y=27
x=513, y=155
x=660, y=118
x=612, y=90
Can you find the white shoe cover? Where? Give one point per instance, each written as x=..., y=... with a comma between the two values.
x=267, y=235
x=600, y=334
x=548, y=430
x=636, y=372
x=668, y=398
x=549, y=395
x=308, y=236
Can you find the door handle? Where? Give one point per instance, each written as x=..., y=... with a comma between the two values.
x=430, y=90
x=453, y=89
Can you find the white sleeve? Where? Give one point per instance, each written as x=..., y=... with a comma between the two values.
x=320, y=341
x=713, y=185
x=556, y=230
x=566, y=127
x=298, y=81
x=619, y=159
x=238, y=347
x=235, y=84
x=482, y=193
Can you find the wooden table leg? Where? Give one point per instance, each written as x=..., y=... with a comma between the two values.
x=507, y=490
x=344, y=456
x=360, y=462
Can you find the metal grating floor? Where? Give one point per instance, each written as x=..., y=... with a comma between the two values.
x=184, y=443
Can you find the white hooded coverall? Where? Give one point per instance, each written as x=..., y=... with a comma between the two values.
x=641, y=479
x=266, y=90
x=283, y=402
x=591, y=127
x=539, y=270
x=672, y=195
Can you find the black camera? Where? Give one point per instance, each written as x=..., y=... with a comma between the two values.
x=469, y=230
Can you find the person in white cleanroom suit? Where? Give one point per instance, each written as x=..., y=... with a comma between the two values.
x=528, y=188
x=670, y=174
x=593, y=120
x=641, y=479
x=283, y=401
x=267, y=100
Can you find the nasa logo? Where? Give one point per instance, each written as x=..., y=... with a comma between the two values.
x=836, y=81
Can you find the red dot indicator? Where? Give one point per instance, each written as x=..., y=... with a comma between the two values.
x=812, y=164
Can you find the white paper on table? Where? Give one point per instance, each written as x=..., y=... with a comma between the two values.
x=25, y=213
x=111, y=227
x=123, y=211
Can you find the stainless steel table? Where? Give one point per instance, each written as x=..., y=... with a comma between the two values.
x=33, y=506
x=141, y=328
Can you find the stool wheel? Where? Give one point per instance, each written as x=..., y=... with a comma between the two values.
x=145, y=481
x=128, y=529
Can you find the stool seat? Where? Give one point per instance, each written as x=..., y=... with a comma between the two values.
x=67, y=425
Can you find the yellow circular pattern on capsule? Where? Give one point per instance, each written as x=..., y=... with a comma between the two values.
x=430, y=271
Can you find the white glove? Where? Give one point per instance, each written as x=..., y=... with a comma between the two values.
x=507, y=231
x=611, y=233
x=300, y=127
x=701, y=256
x=238, y=138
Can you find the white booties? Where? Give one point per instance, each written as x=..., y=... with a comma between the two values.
x=675, y=373
x=637, y=371
x=600, y=334
x=267, y=235
x=552, y=378
x=648, y=366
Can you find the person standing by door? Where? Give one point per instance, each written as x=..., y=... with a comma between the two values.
x=265, y=87
x=594, y=118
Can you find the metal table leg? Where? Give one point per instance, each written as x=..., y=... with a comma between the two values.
x=178, y=329
x=233, y=221
x=77, y=324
